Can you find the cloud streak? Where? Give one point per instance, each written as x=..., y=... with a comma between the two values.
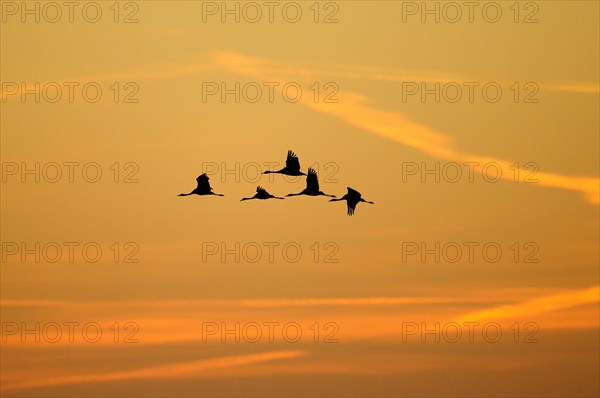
x=355, y=110
x=361, y=72
x=535, y=306
x=171, y=321
x=250, y=303
x=168, y=371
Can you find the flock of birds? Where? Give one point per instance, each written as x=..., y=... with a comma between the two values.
x=292, y=168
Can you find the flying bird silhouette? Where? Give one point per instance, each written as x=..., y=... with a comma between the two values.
x=352, y=198
x=292, y=166
x=203, y=187
x=312, y=186
x=262, y=194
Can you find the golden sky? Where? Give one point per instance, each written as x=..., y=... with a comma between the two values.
x=405, y=298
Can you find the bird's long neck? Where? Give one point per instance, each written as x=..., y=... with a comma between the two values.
x=336, y=199
x=184, y=194
x=245, y=199
x=294, y=194
x=217, y=194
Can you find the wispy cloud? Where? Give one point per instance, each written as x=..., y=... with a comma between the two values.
x=535, y=306
x=168, y=371
x=171, y=321
x=365, y=72
x=11, y=90
x=355, y=110
x=250, y=303
x=338, y=71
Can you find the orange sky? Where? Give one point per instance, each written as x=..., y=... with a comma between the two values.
x=375, y=321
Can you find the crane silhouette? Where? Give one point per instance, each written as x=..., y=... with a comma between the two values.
x=312, y=186
x=352, y=198
x=292, y=166
x=203, y=187
x=262, y=194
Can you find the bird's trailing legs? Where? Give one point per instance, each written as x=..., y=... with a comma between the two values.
x=352, y=198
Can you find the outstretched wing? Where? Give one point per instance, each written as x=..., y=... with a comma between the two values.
x=261, y=190
x=292, y=162
x=312, y=182
x=203, y=183
x=353, y=193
